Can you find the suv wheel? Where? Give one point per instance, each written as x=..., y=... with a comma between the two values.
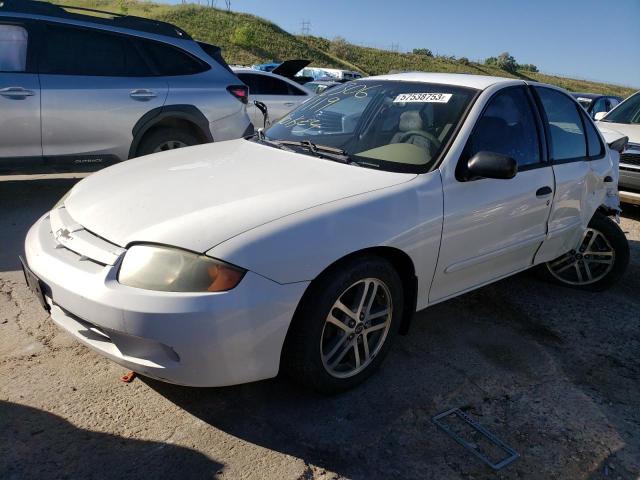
x=597, y=262
x=166, y=138
x=344, y=326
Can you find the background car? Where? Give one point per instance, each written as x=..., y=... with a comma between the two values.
x=280, y=94
x=625, y=118
x=319, y=86
x=594, y=103
x=107, y=88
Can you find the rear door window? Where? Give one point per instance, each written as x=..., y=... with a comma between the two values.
x=13, y=48
x=88, y=52
x=568, y=140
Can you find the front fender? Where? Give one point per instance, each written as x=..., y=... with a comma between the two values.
x=300, y=246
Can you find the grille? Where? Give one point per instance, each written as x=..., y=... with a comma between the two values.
x=630, y=159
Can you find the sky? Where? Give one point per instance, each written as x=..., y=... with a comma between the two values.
x=587, y=39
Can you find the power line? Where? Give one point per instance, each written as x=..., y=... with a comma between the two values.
x=306, y=27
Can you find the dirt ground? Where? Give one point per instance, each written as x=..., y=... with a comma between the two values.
x=553, y=372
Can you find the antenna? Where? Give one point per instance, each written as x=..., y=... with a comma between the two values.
x=306, y=27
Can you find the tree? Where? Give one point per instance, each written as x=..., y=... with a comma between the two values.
x=507, y=62
x=529, y=67
x=491, y=61
x=422, y=51
x=464, y=61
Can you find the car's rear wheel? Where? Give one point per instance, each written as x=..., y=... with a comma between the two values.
x=344, y=326
x=166, y=138
x=597, y=262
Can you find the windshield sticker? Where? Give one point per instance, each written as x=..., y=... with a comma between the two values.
x=423, y=98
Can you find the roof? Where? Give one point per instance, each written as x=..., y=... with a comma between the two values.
x=591, y=96
x=479, y=82
x=111, y=19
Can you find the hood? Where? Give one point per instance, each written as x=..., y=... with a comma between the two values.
x=630, y=130
x=198, y=197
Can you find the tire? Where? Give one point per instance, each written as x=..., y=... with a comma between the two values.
x=602, y=254
x=154, y=140
x=307, y=353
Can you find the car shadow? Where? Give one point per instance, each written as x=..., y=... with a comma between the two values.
x=37, y=444
x=22, y=202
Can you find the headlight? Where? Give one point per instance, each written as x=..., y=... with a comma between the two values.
x=173, y=270
x=61, y=201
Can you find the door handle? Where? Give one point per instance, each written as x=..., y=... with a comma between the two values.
x=142, y=94
x=15, y=92
x=289, y=104
x=608, y=179
x=544, y=192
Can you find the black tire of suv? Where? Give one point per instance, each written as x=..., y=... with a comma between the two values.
x=301, y=358
x=152, y=140
x=618, y=241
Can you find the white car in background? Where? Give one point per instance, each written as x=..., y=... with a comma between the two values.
x=625, y=118
x=279, y=93
x=309, y=247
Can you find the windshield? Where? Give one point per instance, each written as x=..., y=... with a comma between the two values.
x=390, y=125
x=627, y=112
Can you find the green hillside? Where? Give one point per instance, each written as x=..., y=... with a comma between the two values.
x=247, y=39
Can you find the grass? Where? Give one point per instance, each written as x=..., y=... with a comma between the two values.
x=247, y=39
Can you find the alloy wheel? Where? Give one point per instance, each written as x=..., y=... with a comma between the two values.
x=591, y=261
x=169, y=145
x=356, y=328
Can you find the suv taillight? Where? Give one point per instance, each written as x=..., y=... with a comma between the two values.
x=241, y=92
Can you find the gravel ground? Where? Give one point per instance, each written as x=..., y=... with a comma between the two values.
x=552, y=371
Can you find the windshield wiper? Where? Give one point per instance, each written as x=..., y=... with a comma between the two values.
x=262, y=138
x=323, y=151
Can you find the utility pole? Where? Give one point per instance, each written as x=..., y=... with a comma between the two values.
x=395, y=47
x=306, y=27
x=228, y=4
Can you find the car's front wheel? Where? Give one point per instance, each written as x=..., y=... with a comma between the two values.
x=597, y=262
x=344, y=326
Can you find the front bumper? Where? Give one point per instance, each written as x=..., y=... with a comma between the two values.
x=196, y=339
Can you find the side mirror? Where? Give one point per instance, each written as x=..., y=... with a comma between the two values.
x=599, y=116
x=265, y=112
x=491, y=165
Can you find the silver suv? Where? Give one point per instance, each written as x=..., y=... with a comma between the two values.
x=78, y=88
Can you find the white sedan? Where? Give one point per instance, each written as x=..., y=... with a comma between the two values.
x=306, y=249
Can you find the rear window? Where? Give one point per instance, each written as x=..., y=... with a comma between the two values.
x=77, y=51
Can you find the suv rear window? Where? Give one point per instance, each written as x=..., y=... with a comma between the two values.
x=79, y=51
x=168, y=60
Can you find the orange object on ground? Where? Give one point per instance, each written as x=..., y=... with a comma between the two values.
x=128, y=378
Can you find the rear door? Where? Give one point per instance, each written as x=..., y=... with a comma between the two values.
x=579, y=187
x=20, y=138
x=493, y=228
x=96, y=85
x=280, y=96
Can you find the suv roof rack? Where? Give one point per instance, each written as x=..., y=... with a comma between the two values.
x=36, y=7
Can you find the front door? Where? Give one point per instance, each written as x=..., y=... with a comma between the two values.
x=493, y=228
x=19, y=96
x=95, y=87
